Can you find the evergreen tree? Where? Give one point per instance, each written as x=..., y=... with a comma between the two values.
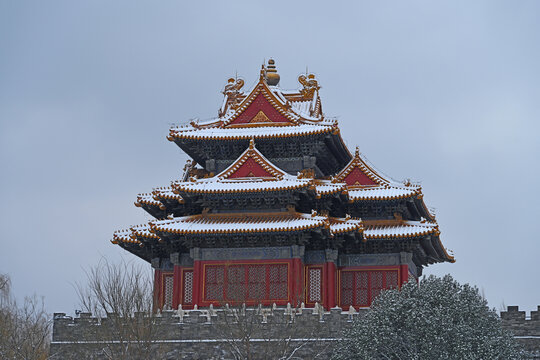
x=436, y=319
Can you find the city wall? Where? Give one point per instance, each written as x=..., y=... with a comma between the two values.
x=525, y=329
x=212, y=333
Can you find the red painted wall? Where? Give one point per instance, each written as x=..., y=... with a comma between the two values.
x=297, y=283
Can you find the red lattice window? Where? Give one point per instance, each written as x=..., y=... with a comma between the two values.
x=187, y=287
x=246, y=282
x=278, y=282
x=314, y=284
x=359, y=287
x=214, y=282
x=168, y=285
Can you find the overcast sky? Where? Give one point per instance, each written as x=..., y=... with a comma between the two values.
x=446, y=93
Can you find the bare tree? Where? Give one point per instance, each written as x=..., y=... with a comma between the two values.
x=24, y=330
x=4, y=285
x=119, y=296
x=270, y=333
x=258, y=332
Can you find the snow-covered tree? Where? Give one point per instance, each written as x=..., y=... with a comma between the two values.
x=435, y=319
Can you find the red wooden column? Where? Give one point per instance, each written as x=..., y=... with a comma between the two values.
x=404, y=260
x=297, y=279
x=158, y=296
x=330, y=275
x=177, y=280
x=197, y=276
x=404, y=273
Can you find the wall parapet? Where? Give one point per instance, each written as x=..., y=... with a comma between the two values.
x=205, y=330
x=526, y=329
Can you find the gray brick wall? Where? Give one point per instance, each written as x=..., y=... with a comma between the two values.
x=525, y=329
x=205, y=334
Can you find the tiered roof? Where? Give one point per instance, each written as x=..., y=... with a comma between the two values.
x=251, y=172
x=184, y=210
x=266, y=113
x=253, y=223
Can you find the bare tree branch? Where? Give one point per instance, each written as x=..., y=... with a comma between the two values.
x=120, y=296
x=24, y=330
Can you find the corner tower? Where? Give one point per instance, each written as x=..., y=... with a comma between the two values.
x=274, y=208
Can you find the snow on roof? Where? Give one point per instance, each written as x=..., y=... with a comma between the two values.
x=325, y=187
x=272, y=96
x=402, y=230
x=147, y=199
x=276, y=181
x=123, y=236
x=160, y=193
x=143, y=231
x=215, y=185
x=298, y=106
x=217, y=133
x=381, y=193
x=274, y=178
x=252, y=153
x=239, y=223
x=302, y=108
x=167, y=193
x=131, y=235
x=361, y=163
x=339, y=226
x=254, y=222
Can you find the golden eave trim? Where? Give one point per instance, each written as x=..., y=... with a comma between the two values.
x=235, y=191
x=191, y=134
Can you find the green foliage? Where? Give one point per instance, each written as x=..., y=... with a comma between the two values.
x=437, y=319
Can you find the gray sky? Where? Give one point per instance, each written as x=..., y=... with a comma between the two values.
x=446, y=93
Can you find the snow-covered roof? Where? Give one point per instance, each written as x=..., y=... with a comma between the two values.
x=215, y=185
x=238, y=223
x=217, y=133
x=302, y=107
x=359, y=165
x=131, y=235
x=269, y=178
x=147, y=199
x=166, y=193
x=339, y=226
x=160, y=193
x=251, y=153
x=235, y=223
x=325, y=187
x=381, y=193
x=299, y=113
x=123, y=236
x=262, y=91
x=404, y=229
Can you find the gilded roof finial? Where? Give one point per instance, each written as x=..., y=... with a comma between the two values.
x=309, y=83
x=357, y=152
x=272, y=77
x=251, y=144
x=262, y=74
